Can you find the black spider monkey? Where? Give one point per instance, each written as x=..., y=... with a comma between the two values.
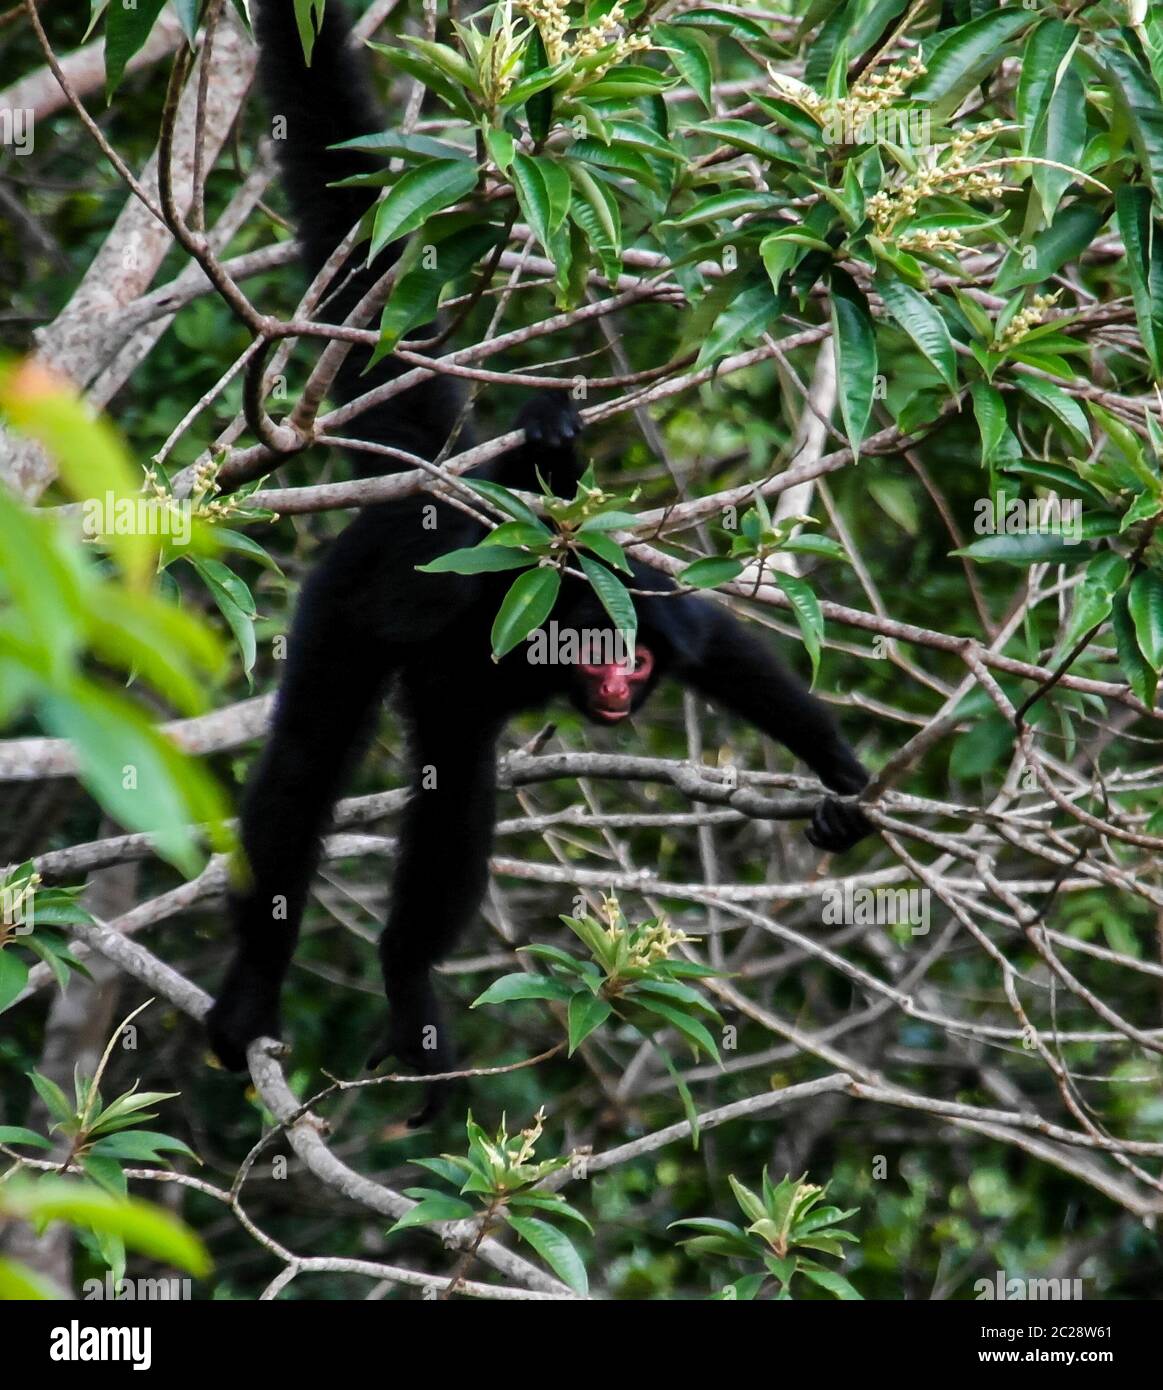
x=368, y=620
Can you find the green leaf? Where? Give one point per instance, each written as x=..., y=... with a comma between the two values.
x=558, y=189
x=446, y=60
x=1025, y=548
x=613, y=596
x=141, y=1225
x=432, y=1210
x=479, y=559
x=1138, y=94
x=417, y=294
x=924, y=325
x=170, y=794
x=554, y=1248
x=721, y=206
x=586, y=1012
x=1144, y=268
x=856, y=360
x=1145, y=604
x=17, y=1134
x=594, y=210
x=725, y=21
x=1061, y=480
x=605, y=549
x=522, y=986
x=689, y=58
x=518, y=533
x=416, y=195
x=1071, y=232
x=1058, y=403
x=53, y=1098
x=784, y=248
x=806, y=608
x=628, y=80
x=755, y=139
x=692, y=1029
x=503, y=499
x=427, y=72
x=710, y=572
x=1044, y=60
x=139, y=1145
x=744, y=318
x=1141, y=678
x=1094, y=597
x=551, y=1203
x=13, y=976
x=396, y=144
x=962, y=57
x=808, y=544
x=989, y=407
x=534, y=85
x=895, y=497
x=126, y=30
x=607, y=521
x=236, y=604
x=525, y=607
x=92, y=462
x=19, y=1284
x=833, y=1282
x=533, y=197
x=451, y=1170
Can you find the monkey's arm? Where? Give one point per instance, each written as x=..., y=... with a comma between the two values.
x=738, y=672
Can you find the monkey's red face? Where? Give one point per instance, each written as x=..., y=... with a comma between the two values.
x=609, y=692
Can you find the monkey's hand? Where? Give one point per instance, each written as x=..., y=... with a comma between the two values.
x=550, y=420
x=838, y=825
x=247, y=1007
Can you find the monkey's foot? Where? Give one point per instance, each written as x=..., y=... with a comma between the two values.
x=838, y=825
x=246, y=1008
x=550, y=419
x=418, y=1040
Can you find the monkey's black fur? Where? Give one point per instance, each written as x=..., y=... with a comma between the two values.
x=367, y=621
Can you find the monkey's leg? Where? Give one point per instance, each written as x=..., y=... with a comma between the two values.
x=324, y=714
x=440, y=877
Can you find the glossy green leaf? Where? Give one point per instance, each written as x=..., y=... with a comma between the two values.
x=521, y=986
x=417, y=195
x=586, y=1012
x=525, y=607
x=924, y=325
x=554, y=1248
x=1145, y=604
x=856, y=358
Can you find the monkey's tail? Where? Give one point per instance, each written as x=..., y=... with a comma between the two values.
x=313, y=107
